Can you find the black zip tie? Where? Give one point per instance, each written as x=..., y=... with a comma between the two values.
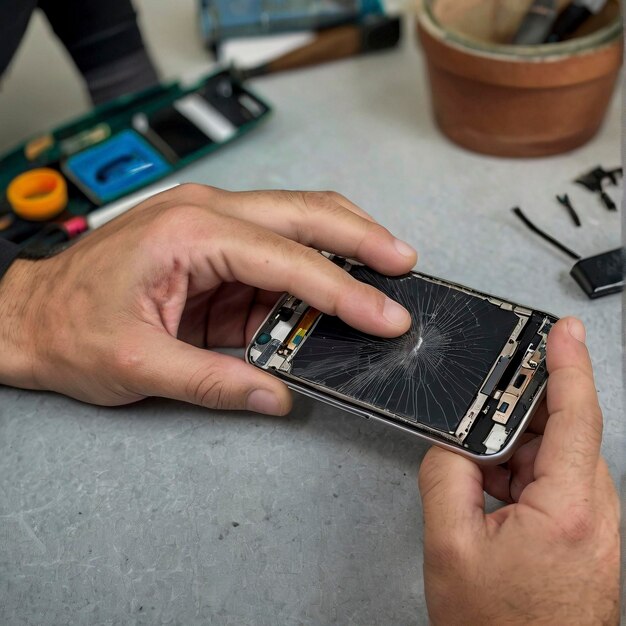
x=567, y=203
x=543, y=235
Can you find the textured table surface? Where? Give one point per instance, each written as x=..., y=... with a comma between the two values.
x=166, y=513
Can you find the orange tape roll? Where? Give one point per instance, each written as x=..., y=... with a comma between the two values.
x=38, y=194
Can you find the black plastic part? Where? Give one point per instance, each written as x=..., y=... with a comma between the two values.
x=380, y=33
x=223, y=92
x=593, y=179
x=529, y=335
x=285, y=313
x=601, y=275
x=537, y=24
x=483, y=425
x=496, y=375
x=567, y=203
x=481, y=428
x=608, y=201
x=614, y=174
x=570, y=20
x=20, y=230
x=8, y=254
x=269, y=351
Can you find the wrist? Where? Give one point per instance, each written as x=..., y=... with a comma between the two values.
x=18, y=297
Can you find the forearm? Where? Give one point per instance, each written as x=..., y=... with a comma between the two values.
x=18, y=292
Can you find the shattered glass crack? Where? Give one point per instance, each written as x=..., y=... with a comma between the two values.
x=429, y=375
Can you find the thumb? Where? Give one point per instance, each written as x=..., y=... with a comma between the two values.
x=573, y=434
x=177, y=370
x=451, y=488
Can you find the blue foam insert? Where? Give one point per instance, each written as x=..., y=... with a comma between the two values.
x=117, y=166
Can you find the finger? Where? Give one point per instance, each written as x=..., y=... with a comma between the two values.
x=258, y=314
x=539, y=420
x=497, y=481
x=192, y=325
x=240, y=251
x=268, y=298
x=451, y=488
x=265, y=200
x=173, y=369
x=500, y=481
x=227, y=315
x=343, y=201
x=573, y=434
x=522, y=466
x=318, y=220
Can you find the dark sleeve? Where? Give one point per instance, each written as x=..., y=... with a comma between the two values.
x=8, y=254
x=105, y=43
x=14, y=18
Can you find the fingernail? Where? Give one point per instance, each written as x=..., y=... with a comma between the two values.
x=263, y=401
x=395, y=313
x=576, y=329
x=404, y=248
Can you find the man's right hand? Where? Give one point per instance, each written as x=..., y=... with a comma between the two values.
x=552, y=555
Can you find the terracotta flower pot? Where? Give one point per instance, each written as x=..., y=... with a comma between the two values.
x=517, y=101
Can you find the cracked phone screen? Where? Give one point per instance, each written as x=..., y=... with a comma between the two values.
x=429, y=375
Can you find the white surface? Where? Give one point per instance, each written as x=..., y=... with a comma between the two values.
x=251, y=51
x=208, y=119
x=101, y=216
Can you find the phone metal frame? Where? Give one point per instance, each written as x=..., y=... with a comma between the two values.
x=496, y=458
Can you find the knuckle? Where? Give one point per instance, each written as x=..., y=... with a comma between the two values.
x=128, y=357
x=524, y=457
x=321, y=201
x=300, y=259
x=587, y=419
x=591, y=415
x=327, y=198
x=335, y=196
x=300, y=255
x=198, y=191
x=181, y=217
x=429, y=475
x=208, y=388
x=445, y=552
x=367, y=293
x=578, y=524
x=373, y=229
x=575, y=374
x=315, y=206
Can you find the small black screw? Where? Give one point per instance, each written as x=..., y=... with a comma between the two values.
x=567, y=203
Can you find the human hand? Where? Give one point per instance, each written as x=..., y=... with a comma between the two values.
x=552, y=555
x=127, y=312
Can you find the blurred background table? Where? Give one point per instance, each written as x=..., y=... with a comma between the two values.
x=167, y=513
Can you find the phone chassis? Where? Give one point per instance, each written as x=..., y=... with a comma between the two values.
x=492, y=351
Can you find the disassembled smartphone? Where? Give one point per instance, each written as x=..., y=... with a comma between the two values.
x=467, y=376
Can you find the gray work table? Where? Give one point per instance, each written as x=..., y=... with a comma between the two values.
x=166, y=513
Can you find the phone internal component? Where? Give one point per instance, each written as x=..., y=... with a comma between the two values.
x=428, y=375
x=469, y=368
